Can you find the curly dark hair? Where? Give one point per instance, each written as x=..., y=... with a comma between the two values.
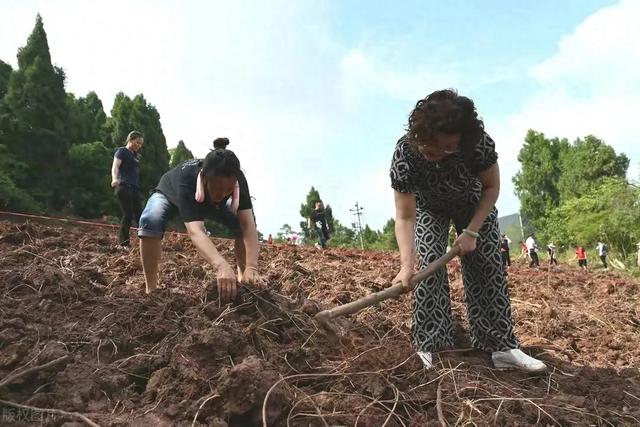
x=445, y=111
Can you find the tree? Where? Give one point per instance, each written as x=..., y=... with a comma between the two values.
x=34, y=119
x=342, y=237
x=609, y=212
x=306, y=208
x=5, y=73
x=87, y=118
x=89, y=165
x=576, y=178
x=11, y=196
x=388, y=236
x=128, y=114
x=536, y=184
x=283, y=233
x=369, y=237
x=179, y=154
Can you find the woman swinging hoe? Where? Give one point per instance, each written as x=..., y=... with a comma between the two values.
x=445, y=169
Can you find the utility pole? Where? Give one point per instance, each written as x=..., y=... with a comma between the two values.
x=357, y=211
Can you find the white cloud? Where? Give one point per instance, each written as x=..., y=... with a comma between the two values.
x=364, y=72
x=588, y=86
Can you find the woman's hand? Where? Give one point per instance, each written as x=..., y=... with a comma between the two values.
x=466, y=243
x=226, y=278
x=251, y=277
x=404, y=277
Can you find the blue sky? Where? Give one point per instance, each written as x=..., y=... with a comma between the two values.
x=317, y=92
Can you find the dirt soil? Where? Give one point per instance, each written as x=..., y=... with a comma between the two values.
x=180, y=358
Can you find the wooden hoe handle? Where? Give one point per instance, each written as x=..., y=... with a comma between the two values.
x=390, y=292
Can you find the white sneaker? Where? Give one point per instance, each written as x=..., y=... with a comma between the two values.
x=427, y=359
x=516, y=359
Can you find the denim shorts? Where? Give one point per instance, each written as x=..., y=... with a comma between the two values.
x=159, y=210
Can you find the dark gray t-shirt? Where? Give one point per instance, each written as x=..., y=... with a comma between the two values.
x=179, y=186
x=129, y=172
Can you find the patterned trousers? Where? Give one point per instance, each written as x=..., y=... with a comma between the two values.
x=487, y=295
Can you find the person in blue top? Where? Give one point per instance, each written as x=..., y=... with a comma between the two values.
x=125, y=179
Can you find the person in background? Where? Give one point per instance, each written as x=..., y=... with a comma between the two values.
x=603, y=252
x=504, y=251
x=318, y=220
x=524, y=253
x=217, y=174
x=270, y=240
x=444, y=169
x=551, y=250
x=532, y=250
x=581, y=255
x=125, y=179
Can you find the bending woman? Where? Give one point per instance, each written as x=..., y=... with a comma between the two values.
x=199, y=189
x=445, y=169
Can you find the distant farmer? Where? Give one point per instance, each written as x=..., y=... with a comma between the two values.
x=551, y=250
x=217, y=174
x=444, y=169
x=504, y=251
x=270, y=240
x=524, y=253
x=318, y=221
x=125, y=179
x=532, y=250
x=603, y=252
x=581, y=255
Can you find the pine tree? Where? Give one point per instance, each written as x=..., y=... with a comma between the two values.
x=86, y=118
x=179, y=154
x=35, y=119
x=5, y=73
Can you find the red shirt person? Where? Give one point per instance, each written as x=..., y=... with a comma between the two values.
x=582, y=257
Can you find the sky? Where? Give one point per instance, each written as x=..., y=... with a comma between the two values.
x=316, y=93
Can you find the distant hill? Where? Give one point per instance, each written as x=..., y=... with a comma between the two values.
x=510, y=225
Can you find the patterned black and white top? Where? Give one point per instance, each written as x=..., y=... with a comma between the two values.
x=445, y=185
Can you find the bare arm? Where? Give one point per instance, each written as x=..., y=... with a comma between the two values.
x=198, y=235
x=249, y=237
x=490, y=179
x=405, y=224
x=115, y=169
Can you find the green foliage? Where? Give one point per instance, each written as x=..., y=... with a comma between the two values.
x=281, y=235
x=87, y=119
x=5, y=73
x=554, y=172
x=34, y=120
x=11, y=196
x=609, y=212
x=342, y=237
x=388, y=236
x=90, y=194
x=536, y=184
x=179, y=154
x=586, y=164
x=128, y=114
x=218, y=230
